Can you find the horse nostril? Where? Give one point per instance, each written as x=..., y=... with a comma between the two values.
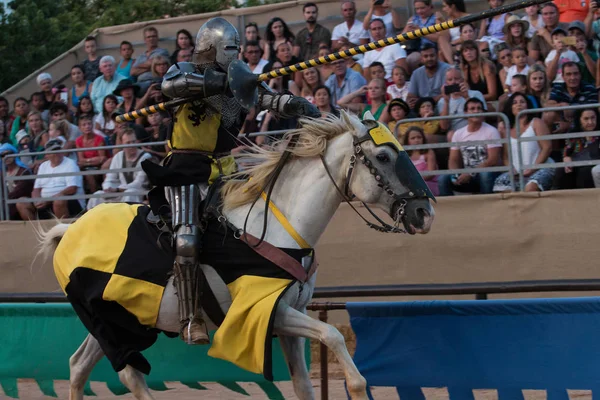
x=422, y=213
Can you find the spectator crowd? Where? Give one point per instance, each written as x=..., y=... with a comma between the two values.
x=540, y=58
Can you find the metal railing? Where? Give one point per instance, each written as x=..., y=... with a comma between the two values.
x=5, y=203
x=4, y=210
x=481, y=291
x=502, y=141
x=551, y=136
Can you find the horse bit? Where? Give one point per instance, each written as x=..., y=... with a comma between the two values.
x=382, y=182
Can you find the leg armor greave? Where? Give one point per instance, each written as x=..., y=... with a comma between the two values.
x=188, y=276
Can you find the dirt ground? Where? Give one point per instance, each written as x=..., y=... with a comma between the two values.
x=28, y=390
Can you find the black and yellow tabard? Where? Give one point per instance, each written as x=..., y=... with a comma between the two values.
x=201, y=145
x=113, y=266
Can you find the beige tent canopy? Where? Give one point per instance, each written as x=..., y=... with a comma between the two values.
x=109, y=38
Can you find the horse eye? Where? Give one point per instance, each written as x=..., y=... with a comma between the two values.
x=383, y=157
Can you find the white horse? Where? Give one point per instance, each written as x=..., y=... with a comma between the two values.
x=381, y=174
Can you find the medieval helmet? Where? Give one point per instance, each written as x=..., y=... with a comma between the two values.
x=217, y=42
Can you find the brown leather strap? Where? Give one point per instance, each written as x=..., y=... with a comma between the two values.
x=280, y=258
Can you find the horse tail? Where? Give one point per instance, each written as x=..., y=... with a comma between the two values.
x=48, y=240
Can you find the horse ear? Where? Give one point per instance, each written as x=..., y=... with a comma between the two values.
x=346, y=118
x=367, y=115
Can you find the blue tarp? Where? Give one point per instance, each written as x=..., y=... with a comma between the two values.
x=509, y=345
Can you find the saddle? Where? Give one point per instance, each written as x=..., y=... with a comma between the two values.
x=160, y=216
x=211, y=211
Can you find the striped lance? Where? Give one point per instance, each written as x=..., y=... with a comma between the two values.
x=418, y=33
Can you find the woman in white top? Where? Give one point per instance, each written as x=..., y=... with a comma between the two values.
x=534, y=152
x=454, y=9
x=386, y=13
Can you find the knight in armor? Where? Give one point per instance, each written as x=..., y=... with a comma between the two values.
x=204, y=133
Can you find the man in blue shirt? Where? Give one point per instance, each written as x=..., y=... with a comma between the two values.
x=427, y=80
x=343, y=81
x=571, y=92
x=142, y=65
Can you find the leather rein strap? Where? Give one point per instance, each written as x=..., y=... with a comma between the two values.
x=383, y=227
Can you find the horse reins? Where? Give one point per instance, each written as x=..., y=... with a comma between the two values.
x=269, y=188
x=383, y=227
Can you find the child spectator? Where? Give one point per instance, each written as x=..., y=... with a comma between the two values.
x=425, y=108
x=91, y=66
x=90, y=159
x=424, y=159
x=24, y=147
x=126, y=62
x=399, y=89
x=21, y=107
x=519, y=60
x=398, y=109
x=534, y=18
x=85, y=107
x=103, y=123
x=376, y=70
x=37, y=102
x=558, y=56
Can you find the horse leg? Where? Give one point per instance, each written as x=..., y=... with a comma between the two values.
x=81, y=364
x=293, y=349
x=135, y=382
x=291, y=322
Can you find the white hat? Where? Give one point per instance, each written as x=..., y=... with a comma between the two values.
x=21, y=134
x=42, y=77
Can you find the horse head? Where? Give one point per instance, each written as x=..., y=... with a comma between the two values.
x=381, y=173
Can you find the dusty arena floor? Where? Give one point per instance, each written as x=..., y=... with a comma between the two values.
x=30, y=391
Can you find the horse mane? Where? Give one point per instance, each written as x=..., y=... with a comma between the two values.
x=312, y=141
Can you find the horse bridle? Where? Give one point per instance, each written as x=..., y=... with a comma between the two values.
x=346, y=196
x=381, y=182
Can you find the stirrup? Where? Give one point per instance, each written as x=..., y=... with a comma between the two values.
x=194, y=331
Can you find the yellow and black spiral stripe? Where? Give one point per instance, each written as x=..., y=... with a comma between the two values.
x=403, y=37
x=397, y=39
x=142, y=112
x=467, y=19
